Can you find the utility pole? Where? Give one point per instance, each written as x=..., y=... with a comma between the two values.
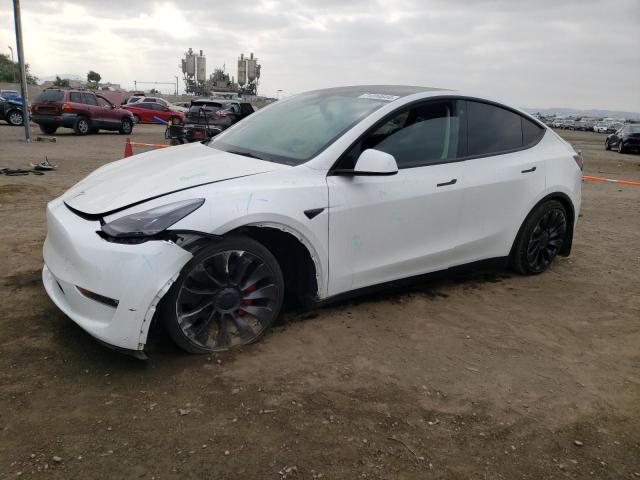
x=23, y=70
x=176, y=85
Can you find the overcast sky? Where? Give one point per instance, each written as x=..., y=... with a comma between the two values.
x=530, y=53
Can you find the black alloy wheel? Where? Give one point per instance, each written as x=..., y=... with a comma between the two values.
x=228, y=295
x=540, y=239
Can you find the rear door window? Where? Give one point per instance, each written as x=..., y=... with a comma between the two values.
x=75, y=97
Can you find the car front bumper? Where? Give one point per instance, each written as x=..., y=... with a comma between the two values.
x=111, y=290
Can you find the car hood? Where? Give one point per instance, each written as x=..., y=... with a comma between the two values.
x=133, y=180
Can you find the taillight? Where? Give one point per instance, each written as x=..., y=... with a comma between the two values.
x=579, y=160
x=66, y=106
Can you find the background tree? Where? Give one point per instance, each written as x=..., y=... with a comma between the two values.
x=93, y=78
x=61, y=82
x=10, y=71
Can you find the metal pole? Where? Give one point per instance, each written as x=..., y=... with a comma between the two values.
x=176, y=85
x=23, y=70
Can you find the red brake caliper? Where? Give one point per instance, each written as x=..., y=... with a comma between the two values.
x=249, y=289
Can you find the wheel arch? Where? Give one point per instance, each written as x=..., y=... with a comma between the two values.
x=566, y=202
x=296, y=256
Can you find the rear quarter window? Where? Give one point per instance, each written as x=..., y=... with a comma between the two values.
x=50, y=96
x=492, y=129
x=531, y=132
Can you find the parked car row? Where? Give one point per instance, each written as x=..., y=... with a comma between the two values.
x=586, y=125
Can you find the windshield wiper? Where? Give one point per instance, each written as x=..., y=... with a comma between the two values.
x=245, y=154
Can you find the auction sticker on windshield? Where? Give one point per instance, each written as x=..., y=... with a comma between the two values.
x=379, y=96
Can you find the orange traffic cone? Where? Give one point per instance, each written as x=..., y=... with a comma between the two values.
x=128, y=151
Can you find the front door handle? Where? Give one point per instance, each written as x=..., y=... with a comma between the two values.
x=450, y=182
x=529, y=170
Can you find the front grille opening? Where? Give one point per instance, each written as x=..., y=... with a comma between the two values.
x=111, y=302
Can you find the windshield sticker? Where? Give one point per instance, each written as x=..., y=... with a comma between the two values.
x=379, y=96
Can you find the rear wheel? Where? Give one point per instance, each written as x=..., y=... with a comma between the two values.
x=175, y=120
x=136, y=119
x=48, y=129
x=606, y=145
x=540, y=238
x=82, y=126
x=15, y=118
x=620, y=146
x=228, y=295
x=126, y=126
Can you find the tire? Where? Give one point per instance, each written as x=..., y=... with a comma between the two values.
x=82, y=126
x=126, y=127
x=228, y=295
x=176, y=141
x=136, y=119
x=620, y=147
x=540, y=238
x=15, y=118
x=175, y=120
x=48, y=129
x=606, y=145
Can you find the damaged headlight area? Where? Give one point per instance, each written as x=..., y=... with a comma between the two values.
x=150, y=223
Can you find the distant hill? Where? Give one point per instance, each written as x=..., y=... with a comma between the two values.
x=64, y=76
x=585, y=113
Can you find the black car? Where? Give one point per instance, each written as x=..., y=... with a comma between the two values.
x=206, y=118
x=626, y=138
x=11, y=111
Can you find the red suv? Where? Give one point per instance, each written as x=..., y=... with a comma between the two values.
x=85, y=112
x=150, y=112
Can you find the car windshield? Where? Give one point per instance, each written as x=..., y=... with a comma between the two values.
x=50, y=96
x=294, y=130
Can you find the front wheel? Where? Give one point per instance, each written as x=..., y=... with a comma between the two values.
x=175, y=120
x=228, y=295
x=606, y=145
x=540, y=239
x=126, y=127
x=15, y=118
x=620, y=147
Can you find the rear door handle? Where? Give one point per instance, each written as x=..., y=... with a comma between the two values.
x=450, y=182
x=529, y=170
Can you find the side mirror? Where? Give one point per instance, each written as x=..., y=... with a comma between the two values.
x=373, y=162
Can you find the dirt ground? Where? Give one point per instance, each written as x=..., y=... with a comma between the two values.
x=486, y=375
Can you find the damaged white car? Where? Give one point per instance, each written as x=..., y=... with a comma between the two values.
x=314, y=196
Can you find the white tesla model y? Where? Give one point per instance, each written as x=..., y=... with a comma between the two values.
x=320, y=194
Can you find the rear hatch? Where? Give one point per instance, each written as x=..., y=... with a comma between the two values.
x=198, y=111
x=48, y=102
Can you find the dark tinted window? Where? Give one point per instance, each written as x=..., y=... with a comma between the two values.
x=146, y=106
x=492, y=129
x=531, y=132
x=50, y=96
x=427, y=134
x=75, y=97
x=156, y=106
x=89, y=99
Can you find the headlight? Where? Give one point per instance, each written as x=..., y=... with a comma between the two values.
x=151, y=222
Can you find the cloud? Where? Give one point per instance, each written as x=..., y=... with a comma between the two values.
x=575, y=53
